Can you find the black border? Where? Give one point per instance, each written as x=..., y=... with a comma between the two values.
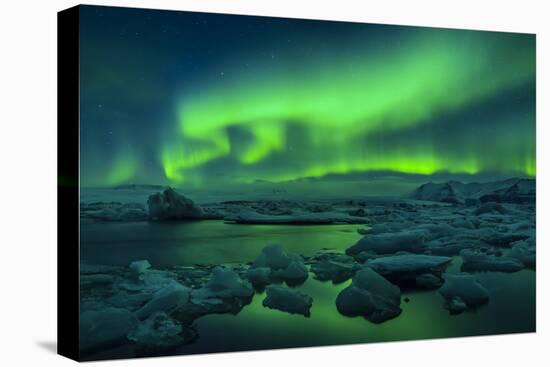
x=68, y=242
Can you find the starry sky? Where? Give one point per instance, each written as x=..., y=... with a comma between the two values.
x=209, y=100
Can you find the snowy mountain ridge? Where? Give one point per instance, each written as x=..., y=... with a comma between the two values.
x=513, y=190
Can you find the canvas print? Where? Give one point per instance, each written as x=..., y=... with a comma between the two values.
x=258, y=183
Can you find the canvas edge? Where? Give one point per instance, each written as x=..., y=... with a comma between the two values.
x=68, y=242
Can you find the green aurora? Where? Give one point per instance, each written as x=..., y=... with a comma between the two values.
x=427, y=101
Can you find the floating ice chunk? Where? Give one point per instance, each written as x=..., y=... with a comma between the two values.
x=408, y=264
x=478, y=261
x=463, y=223
x=283, y=266
x=258, y=276
x=94, y=280
x=456, y=306
x=464, y=287
x=431, y=231
x=133, y=290
x=166, y=300
x=501, y=239
x=139, y=267
x=450, y=247
x=525, y=251
x=365, y=256
x=224, y=292
x=288, y=300
x=336, y=271
x=113, y=212
x=170, y=205
x=524, y=226
x=370, y=295
x=225, y=282
x=387, y=227
x=363, y=231
x=295, y=273
x=149, y=281
x=491, y=208
x=96, y=269
x=428, y=281
x=360, y=212
x=105, y=328
x=388, y=243
x=160, y=332
x=133, y=215
x=273, y=257
x=129, y=300
x=403, y=270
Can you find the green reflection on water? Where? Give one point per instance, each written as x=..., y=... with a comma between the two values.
x=511, y=307
x=423, y=317
x=205, y=242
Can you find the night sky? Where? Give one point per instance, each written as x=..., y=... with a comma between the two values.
x=211, y=100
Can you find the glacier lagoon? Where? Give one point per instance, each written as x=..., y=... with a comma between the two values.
x=171, y=244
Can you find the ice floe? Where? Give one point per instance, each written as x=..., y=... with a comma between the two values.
x=105, y=328
x=388, y=243
x=404, y=270
x=287, y=300
x=463, y=288
x=169, y=205
x=282, y=266
x=473, y=261
x=370, y=295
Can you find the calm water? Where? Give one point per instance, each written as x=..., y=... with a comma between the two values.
x=206, y=242
x=511, y=307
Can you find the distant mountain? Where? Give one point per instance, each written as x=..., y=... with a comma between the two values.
x=139, y=186
x=514, y=190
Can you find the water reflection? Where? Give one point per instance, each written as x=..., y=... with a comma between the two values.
x=205, y=242
x=256, y=327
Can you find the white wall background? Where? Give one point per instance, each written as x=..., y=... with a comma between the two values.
x=28, y=182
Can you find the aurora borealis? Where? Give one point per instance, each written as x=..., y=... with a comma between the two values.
x=205, y=99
